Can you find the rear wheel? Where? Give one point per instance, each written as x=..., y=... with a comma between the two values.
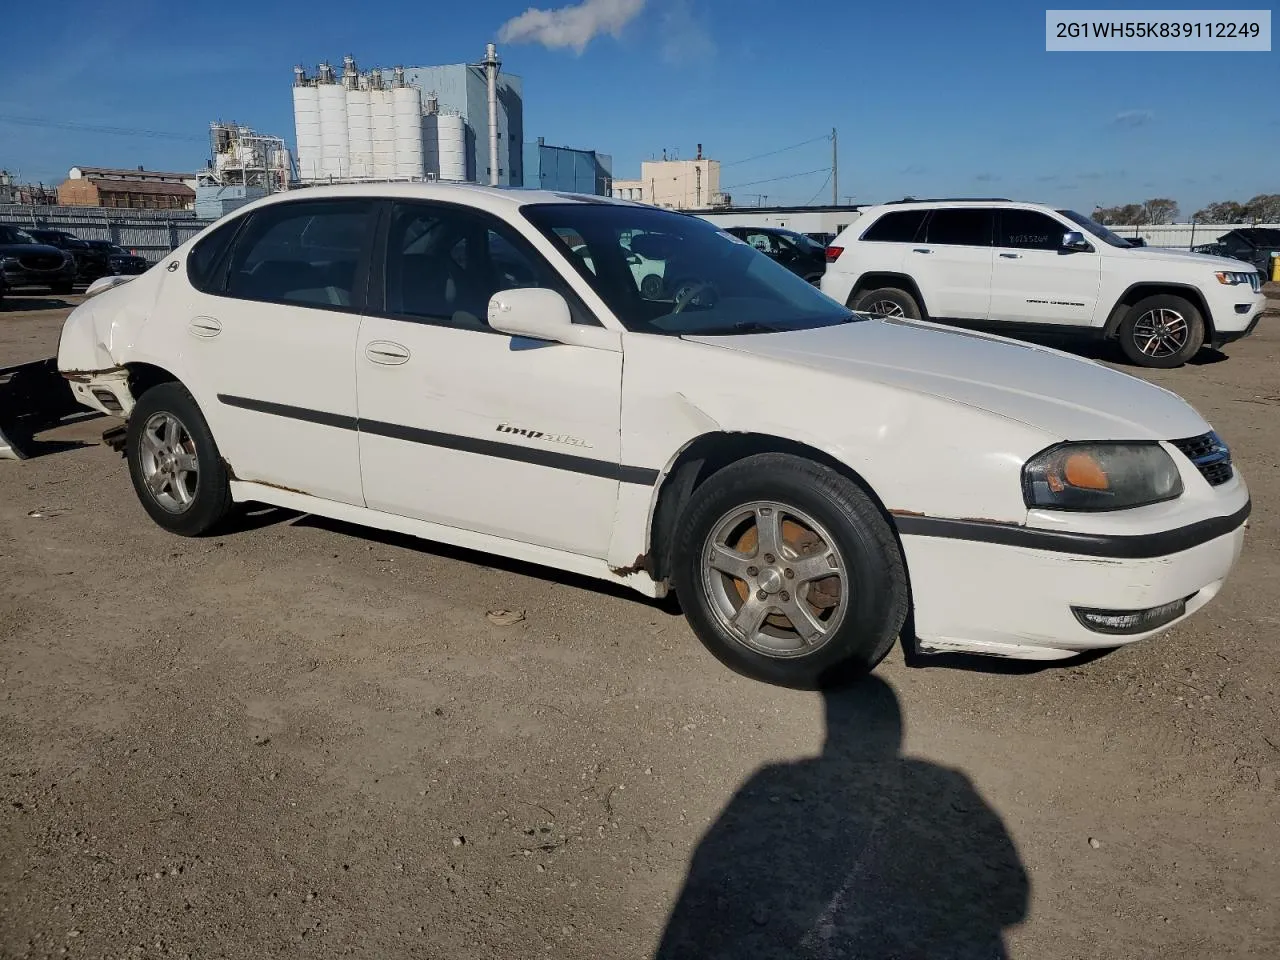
x=788, y=572
x=1161, y=332
x=175, y=466
x=888, y=302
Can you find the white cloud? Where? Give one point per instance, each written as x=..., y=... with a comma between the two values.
x=572, y=26
x=684, y=38
x=1133, y=118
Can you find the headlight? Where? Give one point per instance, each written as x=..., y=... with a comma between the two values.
x=1100, y=476
x=1235, y=278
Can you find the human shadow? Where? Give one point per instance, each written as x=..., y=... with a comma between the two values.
x=859, y=852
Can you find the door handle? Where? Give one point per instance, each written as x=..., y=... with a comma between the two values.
x=1012, y=256
x=205, y=326
x=386, y=353
x=922, y=250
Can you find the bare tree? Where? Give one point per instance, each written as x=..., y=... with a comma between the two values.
x=1224, y=211
x=1160, y=210
x=1264, y=208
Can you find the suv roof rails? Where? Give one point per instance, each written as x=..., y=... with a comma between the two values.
x=950, y=200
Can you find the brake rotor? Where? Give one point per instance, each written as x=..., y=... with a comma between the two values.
x=803, y=541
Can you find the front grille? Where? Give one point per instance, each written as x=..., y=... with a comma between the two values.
x=1210, y=455
x=40, y=261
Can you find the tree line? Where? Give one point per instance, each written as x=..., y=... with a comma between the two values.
x=1264, y=208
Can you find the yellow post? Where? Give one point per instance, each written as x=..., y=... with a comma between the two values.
x=1275, y=267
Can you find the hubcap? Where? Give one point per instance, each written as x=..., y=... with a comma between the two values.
x=1160, y=333
x=775, y=579
x=167, y=456
x=886, y=308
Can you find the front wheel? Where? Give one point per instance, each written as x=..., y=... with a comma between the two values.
x=175, y=466
x=789, y=573
x=1161, y=332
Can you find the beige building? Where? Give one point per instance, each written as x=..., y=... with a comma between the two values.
x=674, y=184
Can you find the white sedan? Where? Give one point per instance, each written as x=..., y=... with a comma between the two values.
x=812, y=482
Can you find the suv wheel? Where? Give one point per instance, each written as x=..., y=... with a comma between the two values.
x=789, y=573
x=1163, y=331
x=175, y=466
x=887, y=302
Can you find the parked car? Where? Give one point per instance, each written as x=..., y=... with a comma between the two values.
x=26, y=263
x=801, y=475
x=648, y=274
x=804, y=257
x=1257, y=246
x=1025, y=267
x=89, y=264
x=119, y=261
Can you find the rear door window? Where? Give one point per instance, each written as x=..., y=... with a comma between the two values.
x=960, y=227
x=307, y=253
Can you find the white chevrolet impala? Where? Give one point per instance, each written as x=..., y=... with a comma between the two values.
x=481, y=367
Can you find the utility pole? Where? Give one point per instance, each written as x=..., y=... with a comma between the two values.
x=835, y=172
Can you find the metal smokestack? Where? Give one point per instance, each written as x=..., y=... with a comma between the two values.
x=491, y=64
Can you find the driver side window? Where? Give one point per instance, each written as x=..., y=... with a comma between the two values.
x=444, y=263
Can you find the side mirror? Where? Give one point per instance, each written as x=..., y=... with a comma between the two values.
x=541, y=314
x=1074, y=241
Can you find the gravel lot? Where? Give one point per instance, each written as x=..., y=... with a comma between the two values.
x=303, y=739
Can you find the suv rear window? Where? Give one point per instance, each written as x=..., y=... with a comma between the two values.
x=900, y=226
x=964, y=227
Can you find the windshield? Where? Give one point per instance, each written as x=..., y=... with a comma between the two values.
x=668, y=273
x=14, y=235
x=1097, y=229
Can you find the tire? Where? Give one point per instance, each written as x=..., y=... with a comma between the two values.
x=814, y=503
x=1177, y=316
x=889, y=302
x=188, y=505
x=651, y=286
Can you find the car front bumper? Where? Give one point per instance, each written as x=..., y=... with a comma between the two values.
x=1007, y=600
x=17, y=277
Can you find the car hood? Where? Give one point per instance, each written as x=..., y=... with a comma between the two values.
x=1065, y=396
x=23, y=249
x=1209, y=261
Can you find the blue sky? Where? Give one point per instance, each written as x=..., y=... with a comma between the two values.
x=929, y=98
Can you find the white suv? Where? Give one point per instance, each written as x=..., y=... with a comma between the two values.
x=1025, y=267
x=450, y=362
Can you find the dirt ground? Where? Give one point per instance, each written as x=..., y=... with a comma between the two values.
x=303, y=739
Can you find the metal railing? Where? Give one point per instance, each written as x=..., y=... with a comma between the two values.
x=148, y=233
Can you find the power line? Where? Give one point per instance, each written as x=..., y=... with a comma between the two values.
x=761, y=156
x=98, y=128
x=819, y=190
x=789, y=176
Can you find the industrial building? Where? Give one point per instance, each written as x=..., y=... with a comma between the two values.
x=435, y=123
x=567, y=169
x=130, y=189
x=441, y=122
x=243, y=166
x=675, y=184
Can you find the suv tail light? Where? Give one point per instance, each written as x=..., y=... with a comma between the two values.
x=833, y=254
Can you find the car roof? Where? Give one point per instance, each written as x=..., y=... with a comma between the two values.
x=493, y=199
x=911, y=204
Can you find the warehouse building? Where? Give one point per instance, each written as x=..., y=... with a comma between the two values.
x=567, y=170
x=128, y=189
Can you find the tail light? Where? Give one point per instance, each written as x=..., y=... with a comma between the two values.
x=833, y=254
